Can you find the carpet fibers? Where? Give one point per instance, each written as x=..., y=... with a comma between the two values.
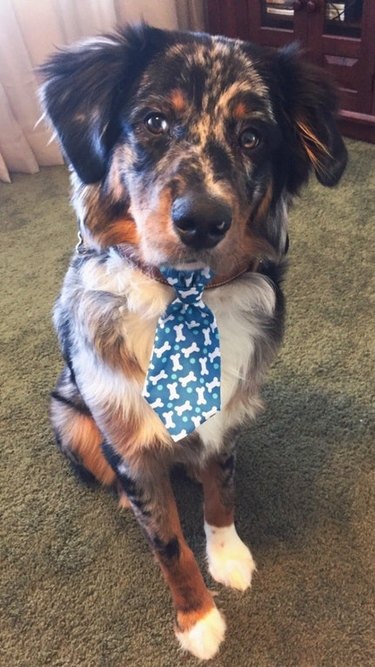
x=78, y=585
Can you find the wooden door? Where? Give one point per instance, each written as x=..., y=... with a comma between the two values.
x=338, y=35
x=267, y=22
x=341, y=39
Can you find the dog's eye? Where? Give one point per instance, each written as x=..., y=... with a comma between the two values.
x=249, y=139
x=157, y=123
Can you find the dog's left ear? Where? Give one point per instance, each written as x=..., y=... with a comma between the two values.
x=309, y=105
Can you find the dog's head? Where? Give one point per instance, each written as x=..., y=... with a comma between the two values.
x=187, y=146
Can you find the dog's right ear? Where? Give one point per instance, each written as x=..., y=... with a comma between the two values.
x=85, y=87
x=310, y=103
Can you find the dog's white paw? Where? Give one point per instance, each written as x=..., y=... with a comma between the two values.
x=229, y=560
x=205, y=636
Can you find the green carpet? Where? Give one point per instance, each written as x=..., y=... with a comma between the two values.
x=79, y=587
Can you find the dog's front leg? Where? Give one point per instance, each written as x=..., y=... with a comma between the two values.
x=199, y=626
x=229, y=560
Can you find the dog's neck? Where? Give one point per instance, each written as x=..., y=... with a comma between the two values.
x=127, y=252
x=218, y=280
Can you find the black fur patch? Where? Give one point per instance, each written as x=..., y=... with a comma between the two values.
x=275, y=273
x=227, y=464
x=81, y=407
x=66, y=343
x=113, y=459
x=128, y=484
x=220, y=159
x=166, y=550
x=196, y=86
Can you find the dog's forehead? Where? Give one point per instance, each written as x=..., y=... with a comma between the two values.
x=204, y=74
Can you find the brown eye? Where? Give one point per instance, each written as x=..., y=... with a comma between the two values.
x=249, y=139
x=156, y=123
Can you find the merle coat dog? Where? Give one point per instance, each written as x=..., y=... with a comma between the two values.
x=185, y=151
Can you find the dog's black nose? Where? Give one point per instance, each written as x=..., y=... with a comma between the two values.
x=201, y=221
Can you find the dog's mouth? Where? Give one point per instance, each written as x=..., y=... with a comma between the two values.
x=221, y=267
x=169, y=252
x=188, y=264
x=186, y=259
x=159, y=258
x=222, y=260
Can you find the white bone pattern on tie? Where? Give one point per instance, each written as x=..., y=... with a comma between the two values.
x=182, y=408
x=211, y=385
x=183, y=382
x=158, y=403
x=203, y=363
x=154, y=379
x=179, y=335
x=201, y=400
x=169, y=423
x=188, y=378
x=159, y=351
x=176, y=362
x=214, y=354
x=172, y=391
x=207, y=337
x=187, y=351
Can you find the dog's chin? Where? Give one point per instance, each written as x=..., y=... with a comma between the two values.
x=190, y=264
x=217, y=262
x=220, y=260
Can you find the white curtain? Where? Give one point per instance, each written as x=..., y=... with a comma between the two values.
x=29, y=31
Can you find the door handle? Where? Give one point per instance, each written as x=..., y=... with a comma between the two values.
x=312, y=6
x=298, y=5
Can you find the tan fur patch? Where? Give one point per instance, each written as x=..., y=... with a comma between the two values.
x=89, y=440
x=178, y=100
x=104, y=213
x=240, y=111
x=236, y=88
x=157, y=239
x=312, y=145
x=80, y=434
x=116, y=232
x=216, y=513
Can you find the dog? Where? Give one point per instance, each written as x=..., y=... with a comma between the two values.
x=185, y=151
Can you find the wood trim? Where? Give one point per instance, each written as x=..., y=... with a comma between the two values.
x=357, y=126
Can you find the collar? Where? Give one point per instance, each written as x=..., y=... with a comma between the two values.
x=127, y=252
x=217, y=281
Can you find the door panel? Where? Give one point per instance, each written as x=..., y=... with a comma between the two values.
x=276, y=22
x=336, y=41
x=227, y=17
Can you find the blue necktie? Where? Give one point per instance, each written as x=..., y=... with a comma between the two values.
x=183, y=379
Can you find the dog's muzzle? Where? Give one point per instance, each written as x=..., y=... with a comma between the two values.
x=201, y=221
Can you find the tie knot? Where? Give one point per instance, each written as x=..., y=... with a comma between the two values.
x=189, y=285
